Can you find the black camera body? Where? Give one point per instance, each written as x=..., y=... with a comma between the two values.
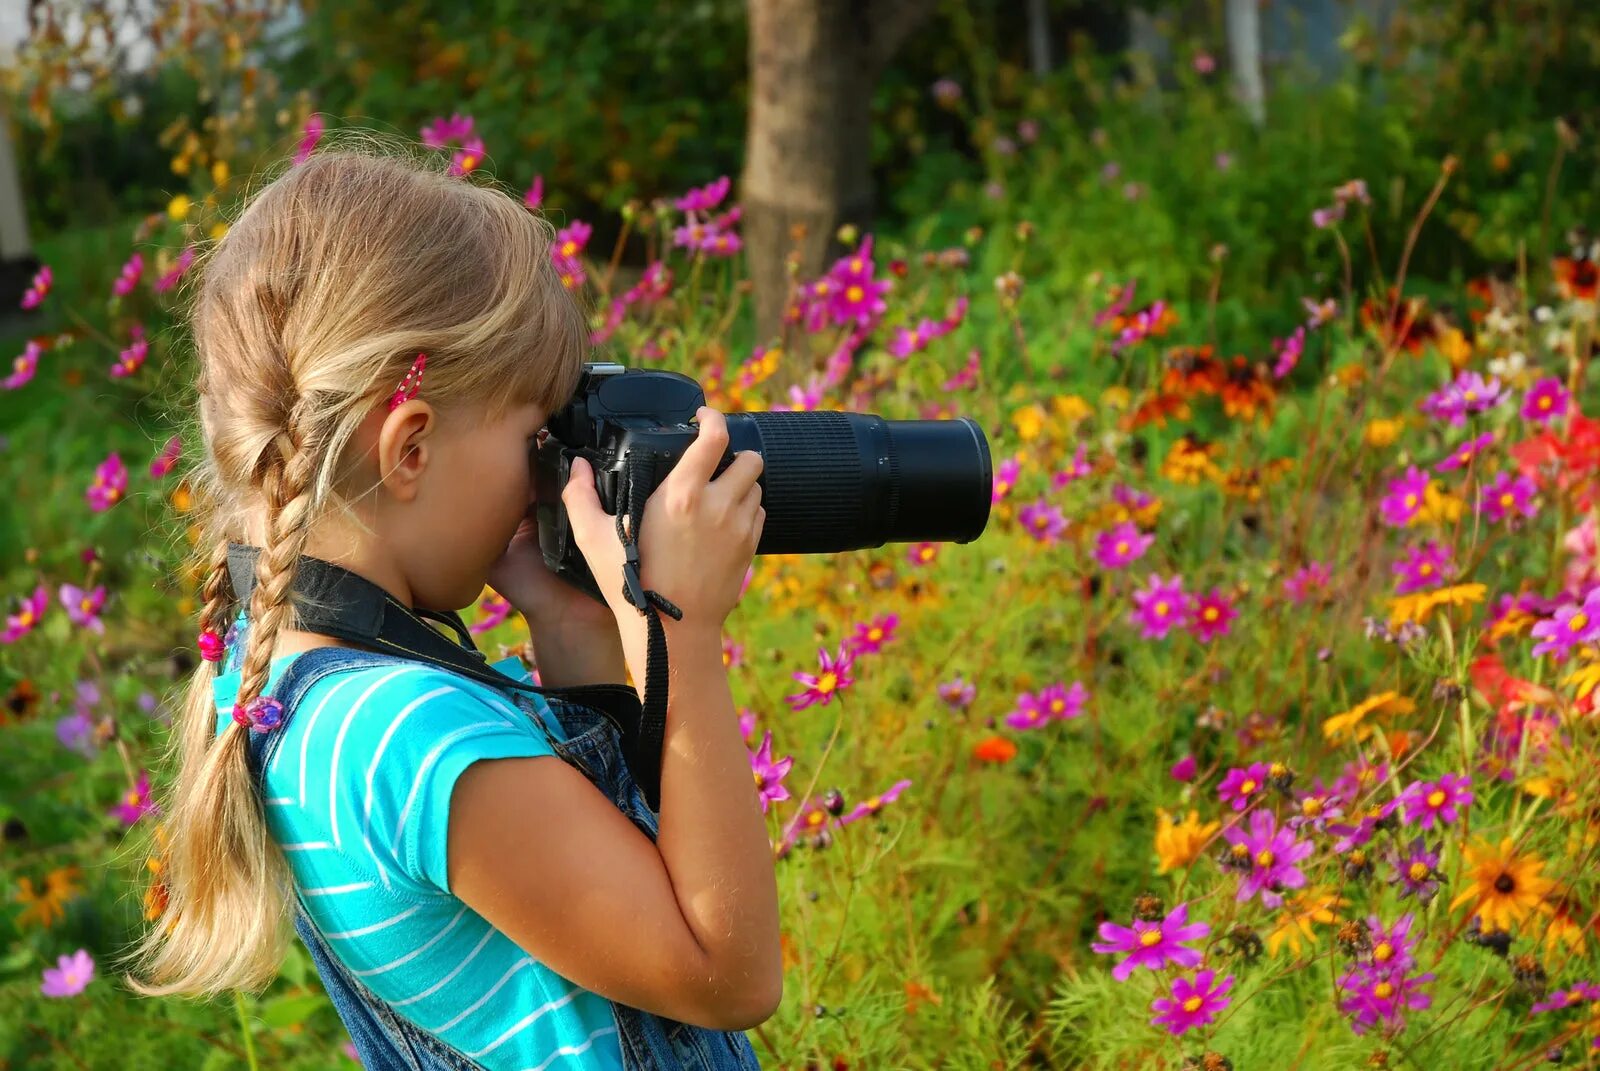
x=831, y=481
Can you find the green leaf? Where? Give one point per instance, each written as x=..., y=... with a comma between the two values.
x=291, y=1009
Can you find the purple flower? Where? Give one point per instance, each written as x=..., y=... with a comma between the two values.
x=136, y=802
x=1242, y=783
x=1393, y=947
x=958, y=693
x=168, y=457
x=1315, y=808
x=29, y=613
x=1122, y=545
x=1508, y=496
x=1192, y=1003
x=1546, y=401
x=83, y=607
x=533, y=196
x=1580, y=993
x=1042, y=520
x=869, y=638
x=110, y=483
x=1211, y=616
x=456, y=128
x=309, y=136
x=1461, y=455
x=1272, y=854
x=1005, y=478
x=1309, y=578
x=704, y=198
x=70, y=976
x=1152, y=944
x=1062, y=703
x=1184, y=769
x=1286, y=352
x=1351, y=837
x=128, y=277
x=1573, y=625
x=1416, y=871
x=1381, y=996
x=769, y=775
x=1160, y=607
x=1403, y=498
x=1469, y=392
x=874, y=804
x=1441, y=801
x=25, y=366
x=1423, y=567
x=76, y=733
x=1030, y=712
x=492, y=610
x=1323, y=218
x=170, y=279
x=1076, y=469
x=42, y=280
x=821, y=687
x=130, y=360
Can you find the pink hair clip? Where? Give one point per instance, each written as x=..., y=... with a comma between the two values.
x=262, y=714
x=409, y=385
x=212, y=648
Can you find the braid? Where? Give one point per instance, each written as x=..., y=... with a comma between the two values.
x=216, y=594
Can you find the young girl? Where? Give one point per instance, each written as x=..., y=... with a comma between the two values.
x=473, y=868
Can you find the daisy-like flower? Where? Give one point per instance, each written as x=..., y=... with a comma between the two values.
x=493, y=608
x=1561, y=999
x=70, y=976
x=467, y=157
x=132, y=359
x=1573, y=625
x=873, y=804
x=823, y=686
x=966, y=376
x=769, y=775
x=1078, y=468
x=1506, y=884
x=441, y=130
x=1381, y=997
x=1463, y=454
x=1546, y=401
x=83, y=607
x=1212, y=616
x=1062, y=703
x=1441, y=802
x=1416, y=871
x=128, y=277
x=958, y=693
x=310, y=134
x=27, y=617
x=1242, y=784
x=1423, y=567
x=1160, y=607
x=1392, y=947
x=1316, y=808
x=1308, y=580
x=1121, y=545
x=1272, y=853
x=136, y=802
x=1030, y=712
x=1193, y=1002
x=1005, y=478
x=704, y=198
x=170, y=279
x=1152, y=944
x=1507, y=497
x=43, y=279
x=1319, y=313
x=1403, y=498
x=1179, y=844
x=167, y=458
x=25, y=366
x=870, y=637
x=109, y=485
x=1286, y=352
x=923, y=553
x=1043, y=521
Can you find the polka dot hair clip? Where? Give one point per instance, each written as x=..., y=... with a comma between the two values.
x=410, y=384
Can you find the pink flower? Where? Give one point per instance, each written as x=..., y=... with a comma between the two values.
x=1192, y=1003
x=769, y=775
x=869, y=638
x=1270, y=854
x=1582, y=542
x=1404, y=498
x=168, y=457
x=40, y=287
x=1463, y=454
x=1310, y=578
x=1005, y=478
x=83, y=607
x=70, y=976
x=822, y=687
x=1077, y=469
x=534, y=197
x=132, y=359
x=1030, y=713
x=923, y=553
x=704, y=198
x=25, y=366
x=1160, y=607
x=493, y=609
x=1184, y=769
x=1043, y=521
x=873, y=804
x=1121, y=545
x=1546, y=401
x=1212, y=616
x=1287, y=352
x=1061, y=703
x=128, y=278
x=467, y=158
x=958, y=693
x=456, y=128
x=1507, y=497
x=310, y=134
x=1242, y=784
x=109, y=485
x=136, y=802
x=1319, y=313
x=27, y=617
x=1152, y=944
x=170, y=279
x=1441, y=801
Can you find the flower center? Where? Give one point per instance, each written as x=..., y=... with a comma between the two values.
x=1578, y=621
x=1419, y=870
x=828, y=682
x=875, y=634
x=1246, y=787
x=1311, y=806
x=1163, y=608
x=1193, y=1004
x=569, y=248
x=1122, y=547
x=1150, y=938
x=1210, y=613
x=1383, y=990
x=85, y=604
x=1505, y=883
x=1425, y=569
x=1383, y=952
x=855, y=293
x=1545, y=402
x=1436, y=798
x=1411, y=501
x=1507, y=499
x=1265, y=857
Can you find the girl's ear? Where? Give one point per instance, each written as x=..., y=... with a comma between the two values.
x=403, y=448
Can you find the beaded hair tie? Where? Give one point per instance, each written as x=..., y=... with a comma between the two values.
x=261, y=715
x=409, y=385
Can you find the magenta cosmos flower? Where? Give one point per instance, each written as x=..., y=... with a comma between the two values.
x=769, y=775
x=1152, y=944
x=110, y=483
x=310, y=134
x=167, y=458
x=704, y=198
x=1043, y=521
x=1403, y=498
x=1272, y=854
x=870, y=637
x=136, y=802
x=1463, y=454
x=1211, y=616
x=1423, y=567
x=132, y=359
x=1242, y=784
x=170, y=279
x=492, y=609
x=1306, y=581
x=1546, y=401
x=1121, y=545
x=83, y=607
x=1561, y=999
x=1573, y=625
x=1076, y=469
x=922, y=553
x=821, y=687
x=1381, y=996
x=441, y=130
x=1005, y=478
x=27, y=617
x=1194, y=1002
x=1508, y=496
x=25, y=367
x=873, y=804
x=1440, y=802
x=958, y=693
x=1160, y=607
x=39, y=288
x=70, y=976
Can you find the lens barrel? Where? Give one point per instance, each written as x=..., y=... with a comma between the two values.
x=835, y=481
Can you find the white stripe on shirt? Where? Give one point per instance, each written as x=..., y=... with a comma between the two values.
x=376, y=926
x=441, y=983
x=504, y=978
x=338, y=743
x=415, y=952
x=573, y=1050
x=372, y=770
x=305, y=737
x=335, y=890
x=427, y=764
x=528, y=1021
x=307, y=846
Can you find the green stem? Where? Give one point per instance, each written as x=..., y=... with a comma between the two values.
x=244, y=1028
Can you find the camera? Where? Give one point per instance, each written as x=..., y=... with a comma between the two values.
x=831, y=480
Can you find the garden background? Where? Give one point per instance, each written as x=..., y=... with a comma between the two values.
x=1256, y=730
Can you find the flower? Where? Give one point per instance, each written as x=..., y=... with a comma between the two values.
x=1403, y=498
x=42, y=280
x=995, y=749
x=1121, y=545
x=1416, y=871
x=83, y=607
x=1180, y=843
x=1442, y=801
x=822, y=687
x=29, y=613
x=870, y=638
x=1271, y=853
x=1055, y=702
x=1414, y=609
x=1574, y=624
x=310, y=134
x=1029, y=713
x=1461, y=455
x=704, y=198
x=1160, y=607
x=70, y=976
x=170, y=279
x=533, y=197
x=25, y=366
x=1508, y=496
x=1152, y=944
x=958, y=693
x=1212, y=615
x=110, y=483
x=873, y=804
x=1546, y=400
x=769, y=775
x=922, y=553
x=1380, y=996
x=47, y=906
x=1506, y=885
x=456, y=128
x=1351, y=720
x=1319, y=313
x=493, y=609
x=136, y=802
x=1423, y=567
x=1194, y=1002
x=1287, y=352
x=167, y=458
x=1005, y=478
x=1392, y=947
x=1241, y=783
x=1560, y=999
x=1299, y=585
x=1308, y=906
x=132, y=359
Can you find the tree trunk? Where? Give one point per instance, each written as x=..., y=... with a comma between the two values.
x=1244, y=49
x=808, y=156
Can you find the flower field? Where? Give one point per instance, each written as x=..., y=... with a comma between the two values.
x=1256, y=731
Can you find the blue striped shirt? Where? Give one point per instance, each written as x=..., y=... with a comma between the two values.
x=357, y=794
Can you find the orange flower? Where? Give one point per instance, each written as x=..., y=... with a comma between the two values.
x=47, y=906
x=1578, y=278
x=995, y=749
x=1351, y=720
x=917, y=993
x=1406, y=324
x=1192, y=370
x=1506, y=885
x=1247, y=389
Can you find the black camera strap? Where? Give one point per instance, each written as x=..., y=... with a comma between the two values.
x=332, y=601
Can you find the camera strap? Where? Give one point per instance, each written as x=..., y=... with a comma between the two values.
x=332, y=601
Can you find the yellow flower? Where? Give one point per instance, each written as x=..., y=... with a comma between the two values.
x=1417, y=606
x=1115, y=398
x=1382, y=703
x=1029, y=421
x=1190, y=461
x=1506, y=885
x=1456, y=347
x=1381, y=433
x=219, y=172
x=1585, y=677
x=1070, y=408
x=1349, y=375
x=1515, y=623
x=178, y=207
x=47, y=906
x=1439, y=508
x=1315, y=904
x=218, y=230
x=1179, y=844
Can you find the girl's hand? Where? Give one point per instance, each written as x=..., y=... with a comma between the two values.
x=697, y=536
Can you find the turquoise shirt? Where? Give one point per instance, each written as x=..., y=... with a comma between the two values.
x=358, y=794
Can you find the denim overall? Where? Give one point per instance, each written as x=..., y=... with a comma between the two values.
x=385, y=1040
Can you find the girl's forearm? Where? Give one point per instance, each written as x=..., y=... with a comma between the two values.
x=713, y=837
x=564, y=659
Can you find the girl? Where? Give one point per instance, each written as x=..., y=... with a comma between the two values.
x=474, y=870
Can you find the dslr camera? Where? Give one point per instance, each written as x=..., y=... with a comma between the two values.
x=831, y=481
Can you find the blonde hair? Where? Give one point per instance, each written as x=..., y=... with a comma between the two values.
x=308, y=313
